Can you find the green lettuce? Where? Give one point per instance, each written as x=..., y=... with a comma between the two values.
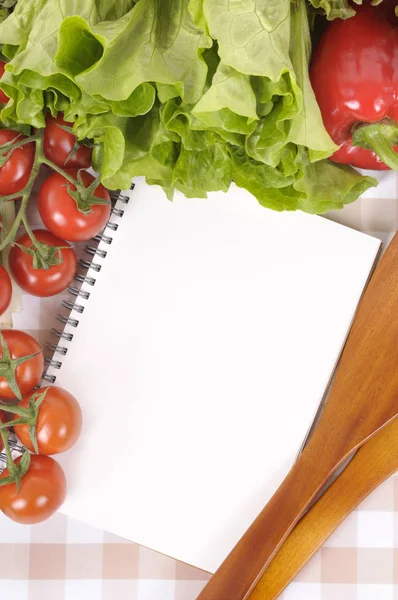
x=334, y=9
x=191, y=94
x=338, y=9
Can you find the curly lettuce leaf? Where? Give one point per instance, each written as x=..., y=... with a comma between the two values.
x=191, y=94
x=113, y=10
x=253, y=42
x=335, y=9
x=313, y=187
x=251, y=35
x=230, y=90
x=318, y=184
x=178, y=119
x=307, y=126
x=196, y=173
x=159, y=42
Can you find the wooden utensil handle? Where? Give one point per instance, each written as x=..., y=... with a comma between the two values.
x=243, y=567
x=374, y=462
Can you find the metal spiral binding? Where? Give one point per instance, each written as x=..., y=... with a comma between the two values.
x=118, y=212
x=103, y=238
x=78, y=293
x=67, y=321
x=85, y=279
x=95, y=251
x=86, y=264
x=50, y=378
x=72, y=305
x=62, y=334
x=56, y=348
x=53, y=363
x=112, y=226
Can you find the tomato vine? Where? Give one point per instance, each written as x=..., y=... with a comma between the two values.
x=21, y=161
x=81, y=194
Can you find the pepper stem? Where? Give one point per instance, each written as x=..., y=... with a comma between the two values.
x=380, y=138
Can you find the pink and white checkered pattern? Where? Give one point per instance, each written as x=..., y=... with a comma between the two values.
x=63, y=559
x=66, y=560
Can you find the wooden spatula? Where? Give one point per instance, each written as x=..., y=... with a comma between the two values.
x=374, y=462
x=364, y=397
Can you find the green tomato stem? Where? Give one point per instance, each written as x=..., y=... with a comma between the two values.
x=5, y=434
x=7, y=217
x=29, y=230
x=8, y=148
x=22, y=210
x=4, y=437
x=22, y=142
x=25, y=194
x=15, y=409
x=54, y=167
x=16, y=473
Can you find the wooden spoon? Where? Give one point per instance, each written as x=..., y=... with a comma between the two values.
x=364, y=397
x=374, y=462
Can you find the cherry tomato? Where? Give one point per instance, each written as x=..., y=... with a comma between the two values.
x=58, y=144
x=5, y=290
x=59, y=422
x=42, y=282
x=42, y=493
x=29, y=373
x=60, y=213
x=3, y=96
x=15, y=173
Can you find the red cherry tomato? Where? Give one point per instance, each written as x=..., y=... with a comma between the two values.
x=3, y=96
x=42, y=493
x=5, y=290
x=59, y=422
x=60, y=213
x=29, y=373
x=15, y=173
x=58, y=144
x=42, y=282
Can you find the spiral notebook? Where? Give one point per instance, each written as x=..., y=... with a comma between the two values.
x=200, y=345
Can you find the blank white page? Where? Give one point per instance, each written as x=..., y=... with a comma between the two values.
x=200, y=361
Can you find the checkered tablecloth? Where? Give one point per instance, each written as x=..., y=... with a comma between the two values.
x=66, y=560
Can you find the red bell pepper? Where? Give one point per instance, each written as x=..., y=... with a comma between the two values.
x=354, y=74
